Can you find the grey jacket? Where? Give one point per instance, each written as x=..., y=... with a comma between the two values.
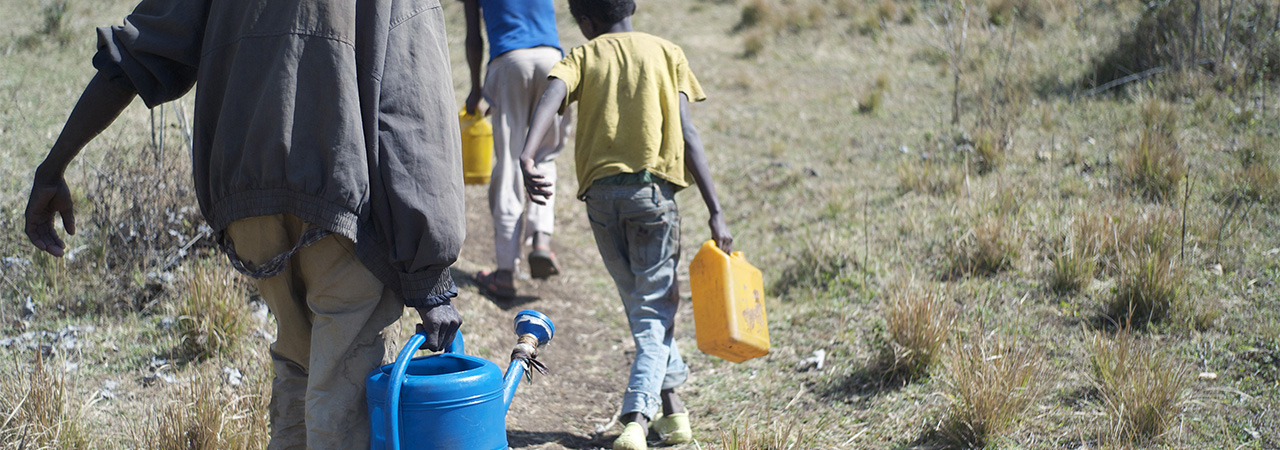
x=340, y=112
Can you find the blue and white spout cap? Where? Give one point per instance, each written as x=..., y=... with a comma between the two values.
x=535, y=323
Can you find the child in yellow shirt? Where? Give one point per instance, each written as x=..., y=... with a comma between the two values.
x=636, y=146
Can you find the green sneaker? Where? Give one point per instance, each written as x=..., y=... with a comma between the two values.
x=632, y=438
x=674, y=428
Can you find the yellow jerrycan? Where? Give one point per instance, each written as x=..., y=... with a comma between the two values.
x=728, y=305
x=477, y=147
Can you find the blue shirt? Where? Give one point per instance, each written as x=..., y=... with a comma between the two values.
x=516, y=24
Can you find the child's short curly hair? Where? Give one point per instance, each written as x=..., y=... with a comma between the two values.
x=603, y=11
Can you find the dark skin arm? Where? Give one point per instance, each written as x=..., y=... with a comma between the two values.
x=99, y=106
x=535, y=183
x=475, y=52
x=695, y=158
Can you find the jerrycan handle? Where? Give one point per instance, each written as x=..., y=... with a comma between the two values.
x=397, y=380
x=737, y=255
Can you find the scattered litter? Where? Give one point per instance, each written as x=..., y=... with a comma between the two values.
x=1215, y=269
x=814, y=362
x=904, y=149
x=28, y=309
x=108, y=390
x=158, y=376
x=71, y=254
x=10, y=262
x=1208, y=376
x=1272, y=252
x=232, y=376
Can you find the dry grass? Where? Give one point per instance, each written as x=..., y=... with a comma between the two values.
x=919, y=321
x=1149, y=288
x=1256, y=179
x=989, y=148
x=989, y=247
x=928, y=176
x=822, y=264
x=1075, y=263
x=776, y=438
x=1142, y=387
x=1115, y=232
x=991, y=382
x=209, y=415
x=213, y=317
x=1155, y=165
x=36, y=411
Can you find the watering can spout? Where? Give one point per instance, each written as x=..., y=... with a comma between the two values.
x=533, y=329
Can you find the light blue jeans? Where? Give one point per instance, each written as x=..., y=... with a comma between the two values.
x=637, y=230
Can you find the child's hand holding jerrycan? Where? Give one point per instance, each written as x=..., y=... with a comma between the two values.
x=451, y=401
x=728, y=305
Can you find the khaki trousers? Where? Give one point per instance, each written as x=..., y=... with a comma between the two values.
x=513, y=84
x=335, y=324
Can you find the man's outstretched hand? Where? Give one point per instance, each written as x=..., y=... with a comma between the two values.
x=49, y=197
x=440, y=323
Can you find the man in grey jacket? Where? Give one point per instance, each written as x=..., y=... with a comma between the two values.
x=326, y=156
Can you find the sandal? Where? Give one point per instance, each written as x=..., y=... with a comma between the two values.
x=489, y=285
x=542, y=264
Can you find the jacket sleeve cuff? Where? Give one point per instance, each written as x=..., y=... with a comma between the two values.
x=427, y=288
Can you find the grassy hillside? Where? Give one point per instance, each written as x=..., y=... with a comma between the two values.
x=1004, y=223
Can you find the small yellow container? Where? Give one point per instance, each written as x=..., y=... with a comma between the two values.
x=477, y=147
x=728, y=305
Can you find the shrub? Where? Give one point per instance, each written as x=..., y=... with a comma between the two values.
x=755, y=13
x=1148, y=289
x=1143, y=389
x=1155, y=166
x=873, y=100
x=988, y=248
x=35, y=412
x=1238, y=40
x=919, y=322
x=212, y=317
x=991, y=382
x=1005, y=12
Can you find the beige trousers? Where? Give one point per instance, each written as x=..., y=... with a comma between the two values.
x=335, y=324
x=513, y=84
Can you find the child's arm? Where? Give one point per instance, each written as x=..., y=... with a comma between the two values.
x=538, y=188
x=97, y=108
x=475, y=52
x=695, y=159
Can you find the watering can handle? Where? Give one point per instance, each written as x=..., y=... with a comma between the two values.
x=397, y=380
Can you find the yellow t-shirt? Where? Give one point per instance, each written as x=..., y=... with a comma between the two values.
x=628, y=87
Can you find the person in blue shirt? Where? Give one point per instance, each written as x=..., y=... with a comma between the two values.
x=523, y=45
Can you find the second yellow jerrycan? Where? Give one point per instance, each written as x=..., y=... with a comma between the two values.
x=477, y=147
x=728, y=305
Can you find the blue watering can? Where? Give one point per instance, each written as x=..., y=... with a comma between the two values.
x=450, y=400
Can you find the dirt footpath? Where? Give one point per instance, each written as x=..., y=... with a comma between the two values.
x=591, y=353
